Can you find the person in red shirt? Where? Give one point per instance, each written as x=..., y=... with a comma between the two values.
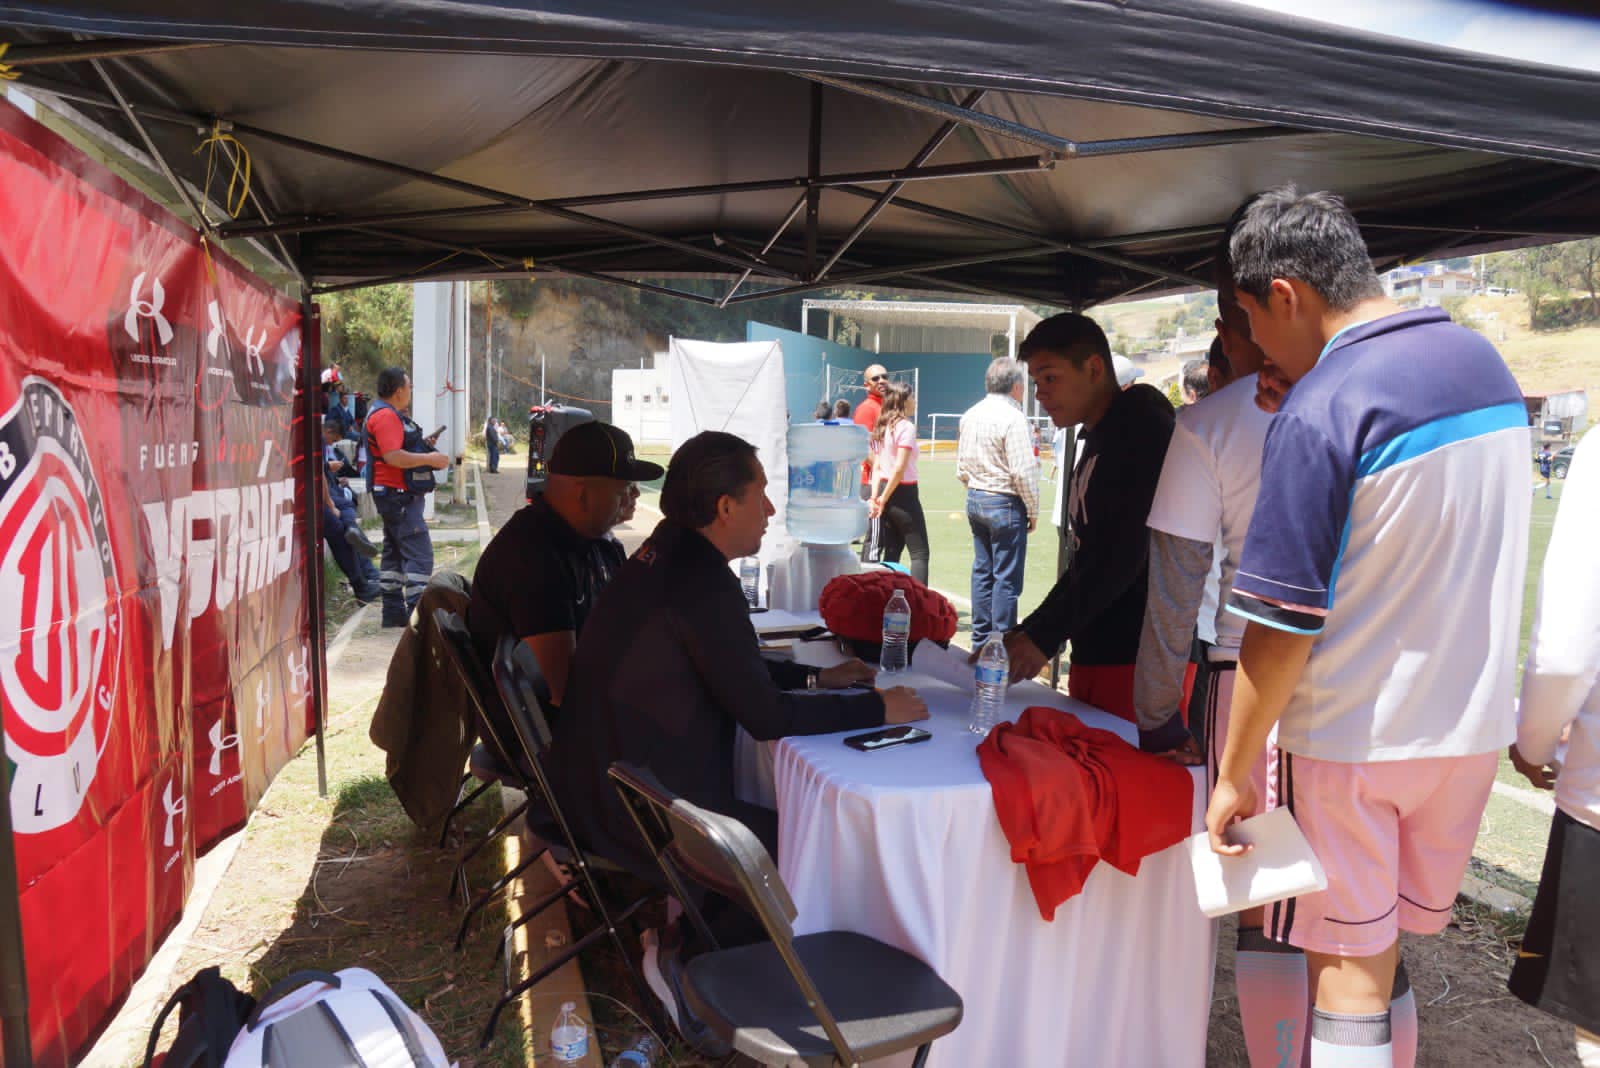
x=866, y=414
x=398, y=446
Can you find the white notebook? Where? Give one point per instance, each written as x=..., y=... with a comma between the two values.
x=1280, y=866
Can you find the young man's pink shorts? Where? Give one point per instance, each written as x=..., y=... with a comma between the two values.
x=1394, y=838
x=1264, y=771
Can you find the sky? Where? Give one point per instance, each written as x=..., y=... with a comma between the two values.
x=1495, y=29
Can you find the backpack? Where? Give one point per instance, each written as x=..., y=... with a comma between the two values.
x=211, y=1012
x=348, y=1020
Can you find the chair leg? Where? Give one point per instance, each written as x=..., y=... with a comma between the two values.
x=461, y=803
x=488, y=895
x=534, y=979
x=532, y=913
x=922, y=1055
x=460, y=874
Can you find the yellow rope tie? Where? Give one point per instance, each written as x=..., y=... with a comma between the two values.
x=238, y=159
x=8, y=73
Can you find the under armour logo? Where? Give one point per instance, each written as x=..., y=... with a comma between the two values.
x=219, y=743
x=262, y=692
x=300, y=671
x=176, y=806
x=217, y=339
x=1080, y=488
x=252, y=351
x=139, y=308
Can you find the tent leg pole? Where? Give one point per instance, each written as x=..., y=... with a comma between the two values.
x=13, y=967
x=311, y=444
x=814, y=193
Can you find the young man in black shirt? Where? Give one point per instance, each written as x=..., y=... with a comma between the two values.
x=1098, y=603
x=540, y=577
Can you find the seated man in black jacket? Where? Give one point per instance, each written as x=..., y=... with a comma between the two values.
x=668, y=663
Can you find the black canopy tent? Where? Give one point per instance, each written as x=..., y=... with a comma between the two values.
x=1066, y=152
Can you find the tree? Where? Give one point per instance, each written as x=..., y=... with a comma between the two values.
x=366, y=330
x=1578, y=264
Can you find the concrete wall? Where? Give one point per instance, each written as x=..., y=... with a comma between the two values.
x=641, y=405
x=947, y=382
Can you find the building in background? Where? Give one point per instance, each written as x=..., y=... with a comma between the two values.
x=640, y=402
x=1427, y=286
x=1557, y=416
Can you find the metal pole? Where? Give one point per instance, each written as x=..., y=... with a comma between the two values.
x=13, y=966
x=542, y=398
x=315, y=494
x=813, y=170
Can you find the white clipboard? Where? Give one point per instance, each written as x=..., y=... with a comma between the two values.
x=1280, y=866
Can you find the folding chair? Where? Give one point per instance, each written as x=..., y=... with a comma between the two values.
x=526, y=695
x=774, y=1002
x=480, y=691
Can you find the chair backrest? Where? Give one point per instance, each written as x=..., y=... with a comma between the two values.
x=480, y=688
x=524, y=692
x=721, y=854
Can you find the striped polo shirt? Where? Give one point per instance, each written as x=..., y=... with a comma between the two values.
x=1392, y=523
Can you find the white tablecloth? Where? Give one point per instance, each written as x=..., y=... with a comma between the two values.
x=904, y=845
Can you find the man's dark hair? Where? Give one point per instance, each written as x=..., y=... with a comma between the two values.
x=390, y=379
x=1194, y=378
x=706, y=468
x=1219, y=359
x=824, y=410
x=1312, y=237
x=841, y=409
x=1071, y=336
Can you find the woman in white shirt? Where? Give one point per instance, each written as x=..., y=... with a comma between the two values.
x=894, y=481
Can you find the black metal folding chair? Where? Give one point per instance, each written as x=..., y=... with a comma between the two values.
x=830, y=998
x=480, y=691
x=526, y=696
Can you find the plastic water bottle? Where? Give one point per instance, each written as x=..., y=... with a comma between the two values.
x=896, y=634
x=642, y=1054
x=989, y=695
x=750, y=579
x=569, y=1038
x=825, y=505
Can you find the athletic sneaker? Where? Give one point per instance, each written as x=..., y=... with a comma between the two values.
x=361, y=543
x=663, y=970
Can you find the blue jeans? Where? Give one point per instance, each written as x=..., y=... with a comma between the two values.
x=999, y=523
x=407, y=562
x=358, y=569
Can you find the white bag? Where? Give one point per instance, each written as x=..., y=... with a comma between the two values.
x=348, y=1020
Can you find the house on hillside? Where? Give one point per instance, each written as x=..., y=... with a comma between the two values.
x=640, y=403
x=1427, y=286
x=1558, y=416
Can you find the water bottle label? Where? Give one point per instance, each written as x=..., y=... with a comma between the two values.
x=896, y=626
x=991, y=675
x=565, y=1046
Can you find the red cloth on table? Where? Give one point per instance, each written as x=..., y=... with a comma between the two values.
x=1070, y=796
x=852, y=606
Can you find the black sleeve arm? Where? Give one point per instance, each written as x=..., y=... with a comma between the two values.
x=726, y=654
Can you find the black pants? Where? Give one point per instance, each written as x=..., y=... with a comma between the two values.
x=905, y=527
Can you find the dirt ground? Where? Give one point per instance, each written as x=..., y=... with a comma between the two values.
x=346, y=881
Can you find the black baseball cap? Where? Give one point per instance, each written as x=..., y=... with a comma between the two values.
x=600, y=450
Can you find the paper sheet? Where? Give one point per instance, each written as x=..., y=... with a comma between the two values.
x=1280, y=866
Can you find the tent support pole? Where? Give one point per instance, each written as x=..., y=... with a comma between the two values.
x=871, y=214
x=99, y=48
x=873, y=274
x=448, y=273
x=315, y=491
x=773, y=240
x=132, y=116
x=813, y=171
x=18, y=1047
x=1055, y=246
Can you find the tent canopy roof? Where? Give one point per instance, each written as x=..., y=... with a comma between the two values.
x=1101, y=147
x=996, y=318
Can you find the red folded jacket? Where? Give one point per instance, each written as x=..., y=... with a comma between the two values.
x=1069, y=796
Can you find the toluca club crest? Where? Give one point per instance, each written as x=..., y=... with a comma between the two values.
x=60, y=631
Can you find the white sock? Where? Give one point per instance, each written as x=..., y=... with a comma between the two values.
x=1339, y=1040
x=1588, y=1048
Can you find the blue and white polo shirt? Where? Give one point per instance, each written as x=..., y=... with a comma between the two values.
x=1392, y=523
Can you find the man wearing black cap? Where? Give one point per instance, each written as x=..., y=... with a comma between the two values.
x=539, y=578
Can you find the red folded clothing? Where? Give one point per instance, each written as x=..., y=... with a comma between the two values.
x=1069, y=796
x=852, y=606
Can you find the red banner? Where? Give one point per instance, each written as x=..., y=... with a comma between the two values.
x=154, y=644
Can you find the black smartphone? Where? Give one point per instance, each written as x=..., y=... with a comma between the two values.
x=436, y=433
x=887, y=738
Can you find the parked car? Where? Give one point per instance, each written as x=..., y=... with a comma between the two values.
x=1561, y=461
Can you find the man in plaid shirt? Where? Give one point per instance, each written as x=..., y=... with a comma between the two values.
x=996, y=462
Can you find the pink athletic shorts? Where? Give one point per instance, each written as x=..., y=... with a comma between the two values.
x=1394, y=838
x=1264, y=772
